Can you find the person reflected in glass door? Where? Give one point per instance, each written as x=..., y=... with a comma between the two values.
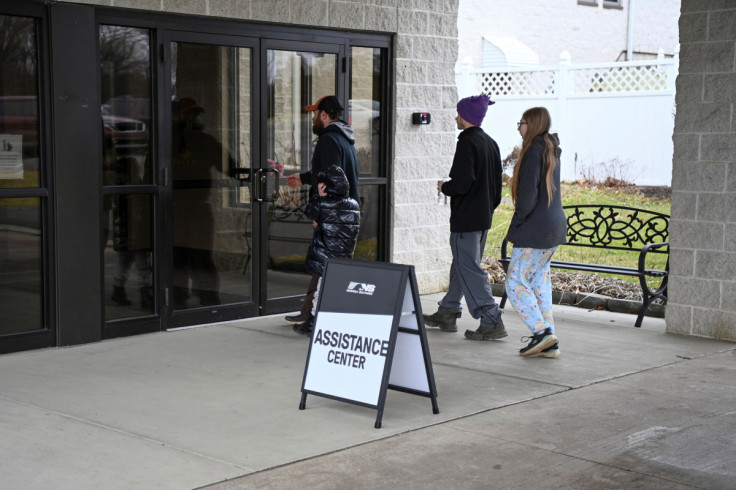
x=196, y=160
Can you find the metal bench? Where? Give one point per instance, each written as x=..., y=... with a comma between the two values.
x=615, y=228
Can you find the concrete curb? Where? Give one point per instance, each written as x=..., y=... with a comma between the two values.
x=593, y=301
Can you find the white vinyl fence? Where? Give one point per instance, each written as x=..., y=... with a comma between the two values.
x=613, y=119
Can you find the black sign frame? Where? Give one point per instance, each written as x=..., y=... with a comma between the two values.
x=367, y=294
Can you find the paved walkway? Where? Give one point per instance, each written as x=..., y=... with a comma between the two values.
x=217, y=407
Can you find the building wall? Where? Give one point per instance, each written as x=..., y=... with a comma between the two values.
x=425, y=55
x=702, y=290
x=549, y=27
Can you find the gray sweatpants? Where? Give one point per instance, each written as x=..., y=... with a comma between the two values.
x=468, y=279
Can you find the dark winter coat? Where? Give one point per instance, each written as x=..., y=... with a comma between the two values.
x=534, y=223
x=475, y=185
x=335, y=146
x=338, y=221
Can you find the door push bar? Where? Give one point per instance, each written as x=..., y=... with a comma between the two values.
x=265, y=182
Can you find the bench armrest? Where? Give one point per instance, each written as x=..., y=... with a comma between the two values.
x=643, y=255
x=662, y=288
x=505, y=248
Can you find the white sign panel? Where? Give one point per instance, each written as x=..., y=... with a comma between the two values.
x=348, y=355
x=407, y=369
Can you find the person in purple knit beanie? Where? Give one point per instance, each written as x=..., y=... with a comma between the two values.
x=473, y=109
x=474, y=189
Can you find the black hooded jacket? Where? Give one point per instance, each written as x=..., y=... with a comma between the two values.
x=537, y=224
x=335, y=146
x=338, y=220
x=475, y=185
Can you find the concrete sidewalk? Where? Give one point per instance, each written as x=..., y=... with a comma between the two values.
x=218, y=405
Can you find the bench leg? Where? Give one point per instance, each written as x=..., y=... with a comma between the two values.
x=503, y=300
x=640, y=317
x=648, y=299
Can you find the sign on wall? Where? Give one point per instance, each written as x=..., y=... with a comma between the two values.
x=368, y=336
x=11, y=161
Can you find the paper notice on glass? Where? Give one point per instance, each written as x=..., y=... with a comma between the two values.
x=11, y=161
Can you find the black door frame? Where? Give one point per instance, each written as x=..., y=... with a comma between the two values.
x=220, y=313
x=48, y=334
x=291, y=303
x=72, y=185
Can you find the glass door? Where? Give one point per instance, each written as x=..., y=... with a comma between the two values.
x=128, y=172
x=24, y=194
x=209, y=247
x=200, y=225
x=294, y=78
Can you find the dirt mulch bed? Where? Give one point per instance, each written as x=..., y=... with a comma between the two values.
x=578, y=282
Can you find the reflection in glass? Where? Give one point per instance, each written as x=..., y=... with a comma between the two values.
x=365, y=107
x=128, y=244
x=295, y=79
x=19, y=124
x=129, y=256
x=210, y=162
x=365, y=116
x=21, y=263
x=367, y=246
x=125, y=73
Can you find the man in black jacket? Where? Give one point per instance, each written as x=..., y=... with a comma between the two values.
x=475, y=192
x=335, y=146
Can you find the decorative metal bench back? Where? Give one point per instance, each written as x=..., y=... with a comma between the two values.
x=616, y=227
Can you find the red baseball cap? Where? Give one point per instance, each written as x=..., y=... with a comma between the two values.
x=328, y=103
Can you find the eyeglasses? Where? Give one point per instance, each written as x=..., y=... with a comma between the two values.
x=520, y=124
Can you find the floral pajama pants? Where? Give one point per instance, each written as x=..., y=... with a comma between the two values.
x=529, y=287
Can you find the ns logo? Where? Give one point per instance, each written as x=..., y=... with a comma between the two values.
x=361, y=288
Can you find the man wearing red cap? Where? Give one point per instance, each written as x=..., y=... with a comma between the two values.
x=475, y=192
x=335, y=146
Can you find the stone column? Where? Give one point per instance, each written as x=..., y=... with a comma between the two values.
x=702, y=288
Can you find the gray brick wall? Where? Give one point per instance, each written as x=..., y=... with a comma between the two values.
x=702, y=296
x=425, y=53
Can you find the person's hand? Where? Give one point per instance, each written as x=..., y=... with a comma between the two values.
x=276, y=165
x=439, y=186
x=322, y=189
x=293, y=180
x=314, y=224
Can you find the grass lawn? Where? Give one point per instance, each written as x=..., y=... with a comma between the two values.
x=573, y=193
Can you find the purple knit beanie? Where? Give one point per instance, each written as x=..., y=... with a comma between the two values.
x=473, y=109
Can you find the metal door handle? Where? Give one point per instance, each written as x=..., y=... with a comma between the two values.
x=263, y=193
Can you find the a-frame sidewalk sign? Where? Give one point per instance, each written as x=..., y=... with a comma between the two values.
x=368, y=336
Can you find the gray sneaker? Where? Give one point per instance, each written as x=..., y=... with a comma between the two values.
x=485, y=333
x=446, y=321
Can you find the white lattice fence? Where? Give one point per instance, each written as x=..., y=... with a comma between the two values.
x=638, y=78
x=609, y=115
x=618, y=78
x=517, y=83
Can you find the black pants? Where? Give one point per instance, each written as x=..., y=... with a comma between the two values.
x=306, y=311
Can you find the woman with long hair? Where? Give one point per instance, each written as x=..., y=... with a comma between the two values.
x=537, y=228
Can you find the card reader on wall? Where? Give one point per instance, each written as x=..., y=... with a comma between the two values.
x=421, y=117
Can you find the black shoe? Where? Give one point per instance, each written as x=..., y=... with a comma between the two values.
x=446, y=321
x=209, y=299
x=484, y=333
x=304, y=328
x=538, y=342
x=553, y=351
x=119, y=296
x=296, y=319
x=146, y=297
